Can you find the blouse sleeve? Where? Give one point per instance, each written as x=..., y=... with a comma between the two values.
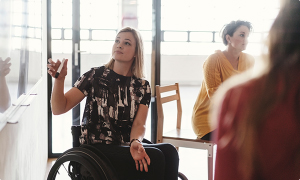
x=147, y=93
x=84, y=83
x=212, y=75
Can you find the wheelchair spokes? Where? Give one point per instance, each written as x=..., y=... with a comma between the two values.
x=83, y=164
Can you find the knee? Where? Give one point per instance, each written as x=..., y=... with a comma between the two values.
x=169, y=151
x=168, y=148
x=154, y=153
x=157, y=159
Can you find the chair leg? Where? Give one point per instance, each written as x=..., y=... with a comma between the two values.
x=210, y=162
x=210, y=167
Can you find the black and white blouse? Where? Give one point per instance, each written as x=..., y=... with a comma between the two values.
x=112, y=102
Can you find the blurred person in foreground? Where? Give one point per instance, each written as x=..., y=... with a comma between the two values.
x=217, y=68
x=258, y=121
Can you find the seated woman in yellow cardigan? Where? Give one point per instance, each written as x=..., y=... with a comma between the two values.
x=217, y=68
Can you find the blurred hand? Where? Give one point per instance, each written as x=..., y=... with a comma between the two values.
x=53, y=67
x=140, y=156
x=4, y=66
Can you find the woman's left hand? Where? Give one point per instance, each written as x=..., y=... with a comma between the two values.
x=4, y=66
x=140, y=156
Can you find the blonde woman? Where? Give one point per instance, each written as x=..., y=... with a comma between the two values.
x=258, y=131
x=114, y=119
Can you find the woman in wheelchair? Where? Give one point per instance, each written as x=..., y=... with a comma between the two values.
x=117, y=101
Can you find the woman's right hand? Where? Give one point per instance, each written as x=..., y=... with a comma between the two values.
x=139, y=155
x=53, y=67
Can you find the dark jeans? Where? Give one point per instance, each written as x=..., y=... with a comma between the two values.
x=164, y=161
x=208, y=136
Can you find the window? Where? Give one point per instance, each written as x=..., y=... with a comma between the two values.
x=195, y=22
x=21, y=40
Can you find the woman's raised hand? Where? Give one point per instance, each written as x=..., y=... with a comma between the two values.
x=140, y=156
x=53, y=67
x=4, y=66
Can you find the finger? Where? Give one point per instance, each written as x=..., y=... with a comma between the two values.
x=7, y=59
x=50, y=67
x=66, y=62
x=50, y=72
x=50, y=61
x=54, y=64
x=58, y=62
x=145, y=165
x=147, y=159
x=137, y=165
x=141, y=165
x=7, y=65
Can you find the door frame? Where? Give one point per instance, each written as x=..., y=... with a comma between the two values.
x=75, y=68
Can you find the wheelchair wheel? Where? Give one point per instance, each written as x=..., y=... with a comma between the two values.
x=73, y=166
x=182, y=176
x=81, y=164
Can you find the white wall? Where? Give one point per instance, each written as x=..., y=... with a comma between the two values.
x=184, y=69
x=24, y=145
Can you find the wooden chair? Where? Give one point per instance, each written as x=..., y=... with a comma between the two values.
x=179, y=137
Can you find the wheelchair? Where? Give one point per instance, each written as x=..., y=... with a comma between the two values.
x=85, y=162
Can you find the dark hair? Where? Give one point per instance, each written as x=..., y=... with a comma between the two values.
x=232, y=27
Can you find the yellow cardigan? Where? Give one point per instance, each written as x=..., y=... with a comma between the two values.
x=216, y=70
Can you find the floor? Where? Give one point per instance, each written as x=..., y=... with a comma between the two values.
x=193, y=162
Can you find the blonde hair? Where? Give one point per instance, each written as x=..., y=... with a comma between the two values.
x=138, y=62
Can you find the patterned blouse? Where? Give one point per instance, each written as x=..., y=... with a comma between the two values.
x=112, y=102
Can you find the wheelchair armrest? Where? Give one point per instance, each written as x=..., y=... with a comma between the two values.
x=147, y=141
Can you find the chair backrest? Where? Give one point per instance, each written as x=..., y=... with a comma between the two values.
x=161, y=100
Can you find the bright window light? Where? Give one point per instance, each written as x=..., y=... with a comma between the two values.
x=56, y=33
x=199, y=16
x=189, y=24
x=68, y=33
x=84, y=34
x=103, y=35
